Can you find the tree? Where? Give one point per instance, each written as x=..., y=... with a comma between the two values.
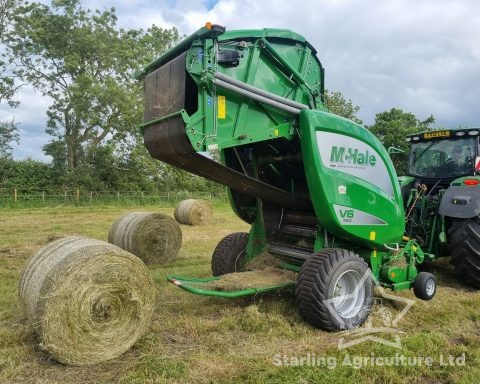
x=391, y=128
x=28, y=175
x=83, y=62
x=337, y=104
x=8, y=135
x=6, y=7
x=8, y=87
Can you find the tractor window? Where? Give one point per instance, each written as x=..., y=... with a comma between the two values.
x=442, y=158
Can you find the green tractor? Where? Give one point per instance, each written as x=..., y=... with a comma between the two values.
x=442, y=197
x=320, y=192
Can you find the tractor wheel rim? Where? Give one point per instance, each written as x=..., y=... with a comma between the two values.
x=430, y=287
x=348, y=294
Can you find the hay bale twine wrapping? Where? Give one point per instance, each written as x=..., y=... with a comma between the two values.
x=193, y=212
x=87, y=300
x=153, y=237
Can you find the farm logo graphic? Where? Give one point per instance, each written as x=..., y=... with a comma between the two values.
x=355, y=157
x=382, y=319
x=352, y=156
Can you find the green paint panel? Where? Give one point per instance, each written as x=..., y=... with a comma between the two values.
x=259, y=33
x=358, y=185
x=244, y=120
x=405, y=180
x=460, y=180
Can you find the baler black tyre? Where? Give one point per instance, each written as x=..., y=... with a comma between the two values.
x=229, y=254
x=319, y=278
x=464, y=246
x=425, y=286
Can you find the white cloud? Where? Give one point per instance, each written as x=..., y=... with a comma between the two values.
x=31, y=144
x=422, y=56
x=31, y=110
x=31, y=120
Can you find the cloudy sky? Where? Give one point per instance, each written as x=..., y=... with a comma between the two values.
x=422, y=56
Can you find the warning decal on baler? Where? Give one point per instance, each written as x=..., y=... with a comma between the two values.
x=222, y=108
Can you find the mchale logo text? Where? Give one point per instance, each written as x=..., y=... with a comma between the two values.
x=352, y=156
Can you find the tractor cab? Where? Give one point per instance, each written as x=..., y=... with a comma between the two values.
x=441, y=194
x=437, y=156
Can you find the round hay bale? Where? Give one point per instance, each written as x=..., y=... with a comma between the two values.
x=87, y=300
x=193, y=212
x=153, y=237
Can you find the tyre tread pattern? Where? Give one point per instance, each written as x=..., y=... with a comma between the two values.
x=312, y=286
x=229, y=253
x=464, y=246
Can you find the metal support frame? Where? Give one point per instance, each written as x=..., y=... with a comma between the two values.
x=257, y=97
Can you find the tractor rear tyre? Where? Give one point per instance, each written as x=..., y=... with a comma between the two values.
x=334, y=290
x=229, y=255
x=464, y=246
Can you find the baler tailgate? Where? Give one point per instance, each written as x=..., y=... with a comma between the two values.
x=236, y=284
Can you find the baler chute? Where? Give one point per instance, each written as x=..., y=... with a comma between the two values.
x=316, y=188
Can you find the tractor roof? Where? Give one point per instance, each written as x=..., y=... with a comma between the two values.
x=436, y=134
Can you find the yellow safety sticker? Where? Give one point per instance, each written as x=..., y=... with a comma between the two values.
x=374, y=253
x=222, y=108
x=431, y=135
x=373, y=235
x=276, y=132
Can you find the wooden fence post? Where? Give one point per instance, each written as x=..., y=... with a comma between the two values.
x=118, y=195
x=65, y=196
x=43, y=196
x=15, y=195
x=78, y=195
x=91, y=197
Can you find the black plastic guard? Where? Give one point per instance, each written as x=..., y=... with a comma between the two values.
x=462, y=202
x=167, y=142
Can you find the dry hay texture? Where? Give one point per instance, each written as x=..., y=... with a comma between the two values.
x=263, y=260
x=55, y=236
x=87, y=300
x=262, y=271
x=153, y=237
x=193, y=212
x=268, y=277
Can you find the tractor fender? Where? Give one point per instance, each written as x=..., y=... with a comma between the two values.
x=462, y=202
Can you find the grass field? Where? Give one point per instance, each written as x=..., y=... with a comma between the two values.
x=195, y=339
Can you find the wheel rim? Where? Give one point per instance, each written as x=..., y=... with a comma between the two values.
x=430, y=287
x=348, y=295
